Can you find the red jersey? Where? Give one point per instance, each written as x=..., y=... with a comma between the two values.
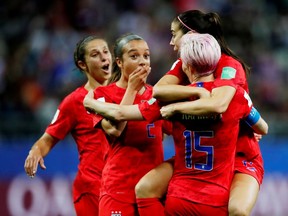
x=134, y=153
x=72, y=117
x=204, y=150
x=230, y=72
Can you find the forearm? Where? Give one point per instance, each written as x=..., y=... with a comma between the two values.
x=129, y=96
x=256, y=122
x=128, y=99
x=107, y=110
x=115, y=114
x=261, y=127
x=169, y=93
x=197, y=107
x=43, y=145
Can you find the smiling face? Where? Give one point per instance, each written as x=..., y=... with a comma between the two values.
x=136, y=54
x=97, y=60
x=177, y=34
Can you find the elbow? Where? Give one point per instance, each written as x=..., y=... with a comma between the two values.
x=266, y=129
x=219, y=108
x=118, y=115
x=264, y=126
x=114, y=133
x=114, y=114
x=261, y=127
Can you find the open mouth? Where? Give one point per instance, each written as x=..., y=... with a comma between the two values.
x=106, y=67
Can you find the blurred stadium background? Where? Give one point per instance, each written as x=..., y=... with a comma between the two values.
x=37, y=39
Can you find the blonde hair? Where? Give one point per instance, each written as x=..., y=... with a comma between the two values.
x=200, y=51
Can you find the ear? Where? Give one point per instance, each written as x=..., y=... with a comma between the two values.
x=119, y=62
x=191, y=69
x=82, y=65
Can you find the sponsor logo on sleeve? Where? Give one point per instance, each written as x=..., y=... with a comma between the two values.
x=151, y=101
x=228, y=73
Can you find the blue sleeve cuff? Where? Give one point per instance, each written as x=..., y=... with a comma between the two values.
x=253, y=117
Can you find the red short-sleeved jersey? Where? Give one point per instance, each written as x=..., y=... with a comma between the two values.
x=134, y=153
x=204, y=150
x=71, y=117
x=228, y=72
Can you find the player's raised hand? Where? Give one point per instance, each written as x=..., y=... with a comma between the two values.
x=138, y=77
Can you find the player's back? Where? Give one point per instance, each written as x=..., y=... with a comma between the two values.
x=205, y=153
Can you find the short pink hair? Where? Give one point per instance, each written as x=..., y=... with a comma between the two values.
x=200, y=51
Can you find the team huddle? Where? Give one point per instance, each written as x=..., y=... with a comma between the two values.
x=118, y=122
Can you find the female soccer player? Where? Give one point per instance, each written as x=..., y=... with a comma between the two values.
x=232, y=71
x=205, y=149
x=134, y=147
x=92, y=56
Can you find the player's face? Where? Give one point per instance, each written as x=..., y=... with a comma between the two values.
x=136, y=54
x=98, y=60
x=177, y=33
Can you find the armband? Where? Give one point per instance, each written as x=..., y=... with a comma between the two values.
x=253, y=117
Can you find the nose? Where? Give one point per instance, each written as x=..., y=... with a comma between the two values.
x=144, y=61
x=171, y=42
x=105, y=56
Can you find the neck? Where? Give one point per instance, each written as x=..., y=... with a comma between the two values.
x=93, y=84
x=207, y=78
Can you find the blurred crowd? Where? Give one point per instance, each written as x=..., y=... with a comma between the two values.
x=37, y=40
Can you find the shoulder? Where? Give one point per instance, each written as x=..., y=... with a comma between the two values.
x=106, y=90
x=108, y=87
x=75, y=96
x=226, y=60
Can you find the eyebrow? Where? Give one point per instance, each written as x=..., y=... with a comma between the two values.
x=98, y=49
x=135, y=50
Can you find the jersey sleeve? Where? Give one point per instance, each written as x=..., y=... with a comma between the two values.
x=63, y=120
x=150, y=110
x=176, y=70
x=245, y=101
x=230, y=72
x=224, y=82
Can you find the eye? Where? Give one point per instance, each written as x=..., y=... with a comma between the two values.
x=133, y=56
x=147, y=56
x=173, y=34
x=95, y=54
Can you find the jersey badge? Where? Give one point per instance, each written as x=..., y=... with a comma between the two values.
x=151, y=101
x=228, y=73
